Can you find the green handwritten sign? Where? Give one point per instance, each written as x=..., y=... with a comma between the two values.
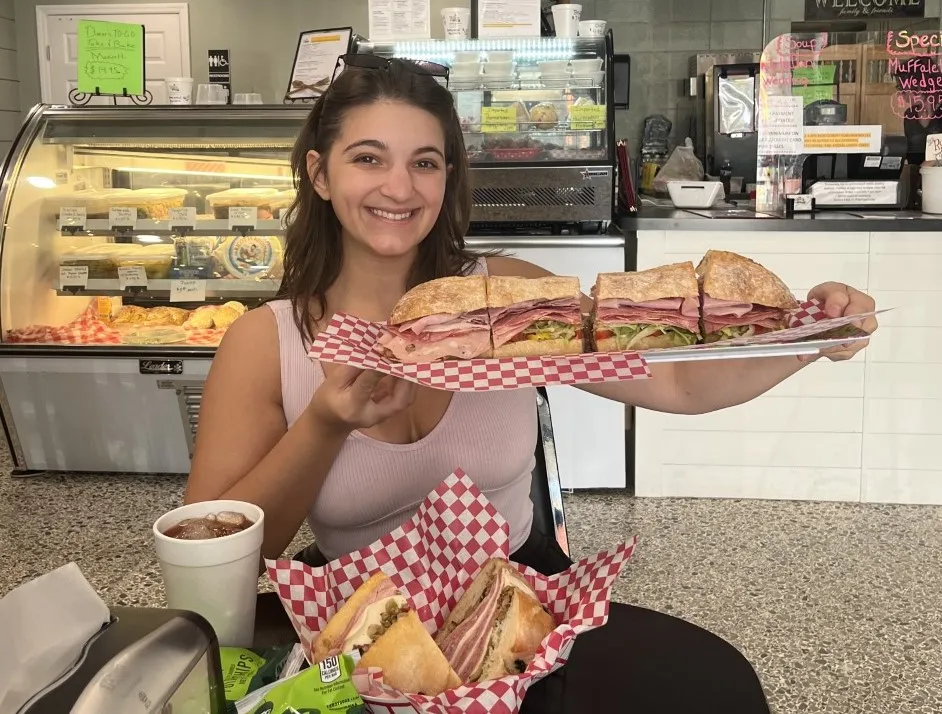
x=110, y=58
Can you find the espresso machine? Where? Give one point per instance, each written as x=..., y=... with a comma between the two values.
x=724, y=89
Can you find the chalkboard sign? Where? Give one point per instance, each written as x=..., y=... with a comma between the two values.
x=863, y=9
x=110, y=58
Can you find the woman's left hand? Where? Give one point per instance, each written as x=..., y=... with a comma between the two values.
x=838, y=300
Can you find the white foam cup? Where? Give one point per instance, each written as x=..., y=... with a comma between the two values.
x=215, y=577
x=566, y=19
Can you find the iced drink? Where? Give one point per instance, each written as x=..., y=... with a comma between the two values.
x=209, y=555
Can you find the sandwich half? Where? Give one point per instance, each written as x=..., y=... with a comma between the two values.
x=740, y=297
x=496, y=627
x=441, y=319
x=378, y=624
x=535, y=316
x=646, y=309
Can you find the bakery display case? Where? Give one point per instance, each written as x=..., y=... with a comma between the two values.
x=132, y=238
x=538, y=120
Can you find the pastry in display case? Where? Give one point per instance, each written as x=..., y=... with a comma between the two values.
x=126, y=253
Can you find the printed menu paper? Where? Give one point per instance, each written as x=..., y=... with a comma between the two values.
x=863, y=139
x=781, y=131
x=509, y=18
x=399, y=20
x=315, y=60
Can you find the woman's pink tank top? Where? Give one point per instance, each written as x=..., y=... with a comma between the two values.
x=374, y=487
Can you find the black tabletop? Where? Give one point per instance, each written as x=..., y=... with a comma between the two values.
x=641, y=661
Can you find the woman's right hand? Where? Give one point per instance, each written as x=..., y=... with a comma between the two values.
x=352, y=398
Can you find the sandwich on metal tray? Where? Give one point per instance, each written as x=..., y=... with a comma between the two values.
x=496, y=627
x=740, y=297
x=441, y=319
x=377, y=624
x=531, y=317
x=647, y=309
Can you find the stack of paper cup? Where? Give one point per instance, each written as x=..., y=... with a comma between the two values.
x=180, y=90
x=214, y=577
x=456, y=22
x=566, y=19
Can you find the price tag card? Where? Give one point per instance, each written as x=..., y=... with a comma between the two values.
x=497, y=120
x=187, y=290
x=131, y=276
x=243, y=217
x=72, y=216
x=122, y=217
x=182, y=218
x=587, y=116
x=73, y=276
x=933, y=147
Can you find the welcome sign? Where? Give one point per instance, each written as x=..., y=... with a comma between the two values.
x=863, y=9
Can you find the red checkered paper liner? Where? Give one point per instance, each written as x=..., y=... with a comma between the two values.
x=350, y=340
x=86, y=329
x=432, y=560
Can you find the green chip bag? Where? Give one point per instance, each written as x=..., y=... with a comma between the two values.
x=325, y=687
x=244, y=671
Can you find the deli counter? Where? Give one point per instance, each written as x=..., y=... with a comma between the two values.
x=132, y=238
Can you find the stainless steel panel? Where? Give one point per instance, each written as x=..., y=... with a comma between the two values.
x=548, y=193
x=490, y=242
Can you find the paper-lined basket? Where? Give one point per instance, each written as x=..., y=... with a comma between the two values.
x=432, y=560
x=350, y=340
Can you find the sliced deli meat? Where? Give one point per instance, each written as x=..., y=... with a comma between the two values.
x=720, y=314
x=675, y=312
x=441, y=336
x=509, y=322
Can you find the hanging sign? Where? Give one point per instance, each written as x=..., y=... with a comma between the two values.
x=219, y=70
x=863, y=9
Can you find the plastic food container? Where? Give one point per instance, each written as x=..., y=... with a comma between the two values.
x=261, y=198
x=931, y=189
x=582, y=67
x=100, y=260
x=694, y=194
x=154, y=336
x=155, y=259
x=152, y=202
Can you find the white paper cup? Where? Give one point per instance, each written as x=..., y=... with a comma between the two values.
x=180, y=90
x=456, y=22
x=566, y=19
x=216, y=577
x=592, y=28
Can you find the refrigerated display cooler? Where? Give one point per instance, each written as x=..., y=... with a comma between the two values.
x=132, y=238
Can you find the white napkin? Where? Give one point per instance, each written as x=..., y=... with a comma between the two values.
x=44, y=625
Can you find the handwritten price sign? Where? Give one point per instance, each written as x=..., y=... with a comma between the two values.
x=110, y=58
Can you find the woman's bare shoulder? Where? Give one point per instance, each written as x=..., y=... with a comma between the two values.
x=250, y=346
x=514, y=267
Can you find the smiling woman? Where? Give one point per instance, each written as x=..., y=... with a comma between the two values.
x=381, y=168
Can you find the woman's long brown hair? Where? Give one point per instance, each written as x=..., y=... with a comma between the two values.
x=313, y=247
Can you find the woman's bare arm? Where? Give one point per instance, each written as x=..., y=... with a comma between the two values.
x=244, y=450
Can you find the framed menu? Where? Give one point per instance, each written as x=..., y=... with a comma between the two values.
x=315, y=60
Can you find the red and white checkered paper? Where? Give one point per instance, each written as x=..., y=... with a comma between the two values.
x=89, y=329
x=350, y=340
x=432, y=560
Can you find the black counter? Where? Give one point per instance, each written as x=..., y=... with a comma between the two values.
x=670, y=219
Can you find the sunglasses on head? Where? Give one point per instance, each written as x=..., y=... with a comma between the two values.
x=382, y=63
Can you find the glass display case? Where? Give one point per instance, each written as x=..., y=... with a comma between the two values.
x=538, y=122
x=132, y=238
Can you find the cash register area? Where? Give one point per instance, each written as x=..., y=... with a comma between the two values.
x=835, y=604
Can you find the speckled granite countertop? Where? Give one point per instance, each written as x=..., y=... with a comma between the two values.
x=838, y=606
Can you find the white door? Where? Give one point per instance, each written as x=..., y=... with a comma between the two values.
x=166, y=45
